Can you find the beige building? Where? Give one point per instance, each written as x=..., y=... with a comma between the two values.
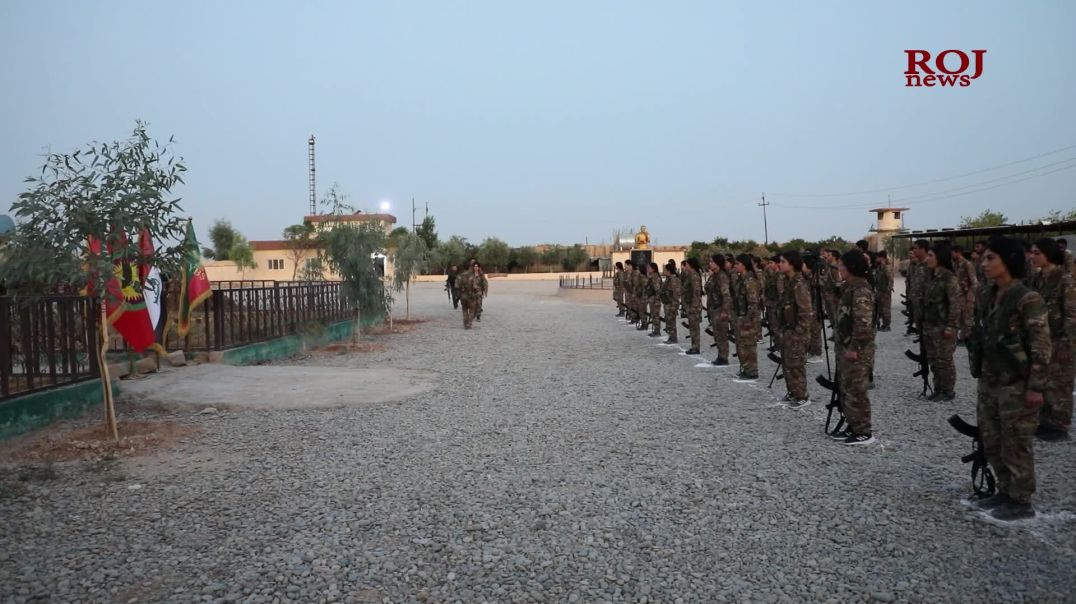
x=279, y=260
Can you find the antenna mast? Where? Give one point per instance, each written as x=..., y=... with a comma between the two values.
x=313, y=190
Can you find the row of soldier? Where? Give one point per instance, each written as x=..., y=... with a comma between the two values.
x=1014, y=308
x=467, y=288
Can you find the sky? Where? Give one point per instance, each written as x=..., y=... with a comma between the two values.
x=559, y=121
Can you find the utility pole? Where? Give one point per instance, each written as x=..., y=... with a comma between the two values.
x=310, y=165
x=414, y=229
x=427, y=209
x=765, y=227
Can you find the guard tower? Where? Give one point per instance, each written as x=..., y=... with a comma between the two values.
x=889, y=222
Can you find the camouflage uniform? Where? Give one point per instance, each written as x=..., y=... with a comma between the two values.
x=641, y=298
x=1010, y=354
x=796, y=317
x=883, y=293
x=814, y=342
x=719, y=309
x=627, y=284
x=917, y=275
x=745, y=302
x=483, y=291
x=653, y=288
x=772, y=287
x=691, y=297
x=618, y=290
x=1058, y=291
x=940, y=316
x=854, y=332
x=829, y=282
x=670, y=297
x=470, y=291
x=969, y=284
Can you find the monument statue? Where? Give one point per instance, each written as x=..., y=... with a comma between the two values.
x=642, y=239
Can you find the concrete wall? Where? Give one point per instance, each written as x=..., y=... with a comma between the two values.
x=39, y=409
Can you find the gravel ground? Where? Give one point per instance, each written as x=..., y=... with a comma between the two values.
x=564, y=457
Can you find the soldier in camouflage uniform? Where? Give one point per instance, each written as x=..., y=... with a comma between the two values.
x=641, y=297
x=691, y=299
x=814, y=332
x=883, y=290
x=653, y=289
x=829, y=283
x=918, y=275
x=483, y=288
x=939, y=320
x=745, y=303
x=627, y=283
x=969, y=284
x=719, y=307
x=977, y=260
x=1058, y=290
x=854, y=336
x=470, y=292
x=1010, y=353
x=772, y=287
x=670, y=298
x=618, y=289
x=795, y=316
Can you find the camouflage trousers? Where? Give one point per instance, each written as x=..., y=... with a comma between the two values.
x=640, y=307
x=469, y=311
x=771, y=320
x=829, y=303
x=967, y=314
x=478, y=307
x=794, y=359
x=670, y=321
x=885, y=307
x=814, y=346
x=854, y=377
x=719, y=324
x=1056, y=411
x=629, y=305
x=694, y=319
x=940, y=356
x=655, y=314
x=1006, y=426
x=746, y=345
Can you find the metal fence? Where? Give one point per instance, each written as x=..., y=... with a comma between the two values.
x=46, y=342
x=587, y=282
x=244, y=312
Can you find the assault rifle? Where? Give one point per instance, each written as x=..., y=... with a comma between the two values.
x=834, y=403
x=780, y=363
x=982, y=478
x=911, y=331
x=924, y=367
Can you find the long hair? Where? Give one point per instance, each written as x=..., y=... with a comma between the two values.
x=793, y=257
x=944, y=253
x=1011, y=253
x=745, y=259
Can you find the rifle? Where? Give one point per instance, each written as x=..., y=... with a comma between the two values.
x=911, y=331
x=834, y=401
x=982, y=478
x=780, y=363
x=924, y=367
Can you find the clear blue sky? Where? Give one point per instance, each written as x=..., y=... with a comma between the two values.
x=555, y=121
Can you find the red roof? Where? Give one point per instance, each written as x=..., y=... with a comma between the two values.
x=266, y=246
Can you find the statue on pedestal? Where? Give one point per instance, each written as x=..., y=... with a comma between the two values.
x=642, y=239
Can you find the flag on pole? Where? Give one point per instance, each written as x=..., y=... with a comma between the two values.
x=152, y=286
x=194, y=286
x=125, y=306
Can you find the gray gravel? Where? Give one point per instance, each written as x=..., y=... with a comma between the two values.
x=564, y=457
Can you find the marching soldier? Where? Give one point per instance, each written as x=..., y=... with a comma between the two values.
x=719, y=307
x=670, y=297
x=883, y=290
x=483, y=289
x=795, y=316
x=691, y=298
x=1058, y=290
x=1010, y=354
x=939, y=319
x=653, y=288
x=470, y=292
x=450, y=286
x=969, y=284
x=854, y=336
x=745, y=302
x=618, y=289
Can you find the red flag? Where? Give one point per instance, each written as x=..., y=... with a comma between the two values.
x=124, y=304
x=194, y=285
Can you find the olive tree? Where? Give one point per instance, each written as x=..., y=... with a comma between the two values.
x=104, y=193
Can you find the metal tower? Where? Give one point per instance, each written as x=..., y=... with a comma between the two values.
x=313, y=190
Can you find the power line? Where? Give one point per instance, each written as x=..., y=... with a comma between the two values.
x=928, y=182
x=944, y=194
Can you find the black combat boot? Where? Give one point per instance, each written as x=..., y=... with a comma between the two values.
x=671, y=341
x=1012, y=511
x=720, y=362
x=692, y=351
x=993, y=501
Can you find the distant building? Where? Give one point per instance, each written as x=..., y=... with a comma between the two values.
x=888, y=222
x=279, y=260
